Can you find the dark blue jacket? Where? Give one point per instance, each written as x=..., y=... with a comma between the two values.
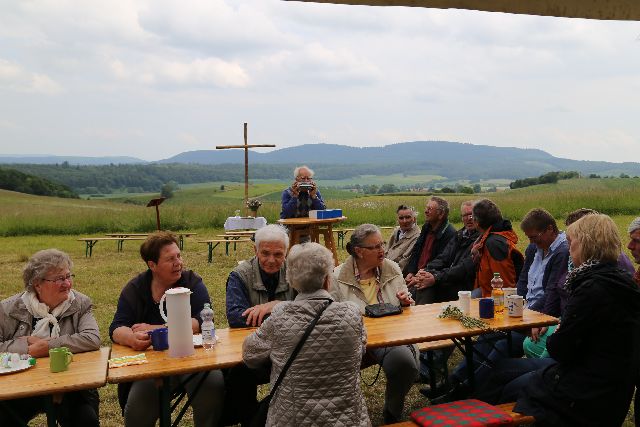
x=136, y=304
x=290, y=204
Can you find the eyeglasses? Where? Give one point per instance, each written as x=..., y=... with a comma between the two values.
x=304, y=178
x=60, y=280
x=536, y=236
x=470, y=216
x=375, y=247
x=430, y=209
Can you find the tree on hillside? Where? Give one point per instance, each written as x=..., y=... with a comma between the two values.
x=387, y=188
x=168, y=189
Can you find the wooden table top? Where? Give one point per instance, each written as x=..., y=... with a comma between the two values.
x=88, y=370
x=85, y=239
x=420, y=323
x=227, y=352
x=310, y=221
x=416, y=324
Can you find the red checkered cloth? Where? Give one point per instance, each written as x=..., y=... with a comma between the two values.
x=468, y=413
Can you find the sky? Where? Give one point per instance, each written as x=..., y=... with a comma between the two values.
x=154, y=78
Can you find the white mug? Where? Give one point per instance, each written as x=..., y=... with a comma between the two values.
x=464, y=301
x=509, y=291
x=515, y=305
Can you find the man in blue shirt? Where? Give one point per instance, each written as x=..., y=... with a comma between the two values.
x=302, y=196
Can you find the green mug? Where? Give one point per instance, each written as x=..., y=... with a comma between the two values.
x=59, y=359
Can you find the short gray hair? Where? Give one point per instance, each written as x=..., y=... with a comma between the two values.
x=296, y=171
x=359, y=235
x=443, y=205
x=272, y=233
x=41, y=263
x=635, y=225
x=467, y=203
x=308, y=265
x=413, y=210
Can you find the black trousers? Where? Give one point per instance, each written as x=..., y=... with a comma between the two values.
x=241, y=383
x=78, y=408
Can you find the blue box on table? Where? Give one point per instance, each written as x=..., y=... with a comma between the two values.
x=325, y=214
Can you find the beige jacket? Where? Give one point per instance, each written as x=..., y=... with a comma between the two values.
x=345, y=287
x=399, y=250
x=322, y=385
x=78, y=328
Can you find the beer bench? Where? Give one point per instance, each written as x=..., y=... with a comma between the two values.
x=518, y=419
x=181, y=236
x=341, y=233
x=92, y=241
x=213, y=243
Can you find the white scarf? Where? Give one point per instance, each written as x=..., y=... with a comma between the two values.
x=40, y=311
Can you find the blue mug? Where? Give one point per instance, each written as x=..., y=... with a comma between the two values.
x=159, y=338
x=485, y=306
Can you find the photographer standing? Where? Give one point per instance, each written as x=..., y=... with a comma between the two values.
x=302, y=196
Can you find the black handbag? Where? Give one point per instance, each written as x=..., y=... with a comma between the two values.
x=260, y=418
x=381, y=310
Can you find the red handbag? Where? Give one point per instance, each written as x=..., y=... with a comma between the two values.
x=468, y=413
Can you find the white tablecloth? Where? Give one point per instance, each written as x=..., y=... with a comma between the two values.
x=239, y=223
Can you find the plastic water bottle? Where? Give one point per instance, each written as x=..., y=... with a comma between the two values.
x=497, y=293
x=208, y=328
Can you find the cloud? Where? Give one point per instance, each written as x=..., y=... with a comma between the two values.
x=15, y=77
x=201, y=72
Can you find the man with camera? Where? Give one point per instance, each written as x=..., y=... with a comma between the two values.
x=302, y=196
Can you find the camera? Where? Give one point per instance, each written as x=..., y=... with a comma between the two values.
x=305, y=186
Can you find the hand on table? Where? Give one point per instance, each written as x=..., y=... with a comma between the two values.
x=405, y=298
x=139, y=341
x=143, y=327
x=255, y=315
x=38, y=347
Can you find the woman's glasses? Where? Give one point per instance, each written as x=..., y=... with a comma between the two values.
x=375, y=247
x=60, y=280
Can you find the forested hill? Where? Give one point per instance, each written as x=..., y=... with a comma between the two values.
x=14, y=180
x=453, y=161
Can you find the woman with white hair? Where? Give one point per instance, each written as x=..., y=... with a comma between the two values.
x=321, y=385
x=367, y=277
x=49, y=314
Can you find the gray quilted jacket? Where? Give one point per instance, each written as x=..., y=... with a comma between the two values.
x=322, y=386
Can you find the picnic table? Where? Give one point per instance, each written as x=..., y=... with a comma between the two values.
x=92, y=241
x=88, y=370
x=417, y=324
x=314, y=228
x=213, y=243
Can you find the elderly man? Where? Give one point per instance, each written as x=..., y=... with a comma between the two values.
x=434, y=237
x=452, y=271
x=253, y=289
x=258, y=284
x=302, y=196
x=404, y=236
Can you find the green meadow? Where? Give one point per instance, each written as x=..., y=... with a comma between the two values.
x=30, y=223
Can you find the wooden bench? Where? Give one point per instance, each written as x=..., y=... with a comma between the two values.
x=428, y=347
x=181, y=236
x=518, y=419
x=213, y=243
x=92, y=241
x=341, y=233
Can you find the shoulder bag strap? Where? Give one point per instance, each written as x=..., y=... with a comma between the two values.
x=296, y=350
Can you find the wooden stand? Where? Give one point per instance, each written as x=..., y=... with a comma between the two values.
x=313, y=228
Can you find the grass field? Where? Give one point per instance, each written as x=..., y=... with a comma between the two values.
x=30, y=223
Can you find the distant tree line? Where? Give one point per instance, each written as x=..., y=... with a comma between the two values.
x=547, y=178
x=14, y=180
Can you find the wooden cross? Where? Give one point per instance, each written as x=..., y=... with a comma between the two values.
x=246, y=164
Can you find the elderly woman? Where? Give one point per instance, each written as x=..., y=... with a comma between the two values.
x=367, y=277
x=49, y=314
x=322, y=385
x=138, y=312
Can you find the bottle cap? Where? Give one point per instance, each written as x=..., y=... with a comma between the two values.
x=496, y=275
